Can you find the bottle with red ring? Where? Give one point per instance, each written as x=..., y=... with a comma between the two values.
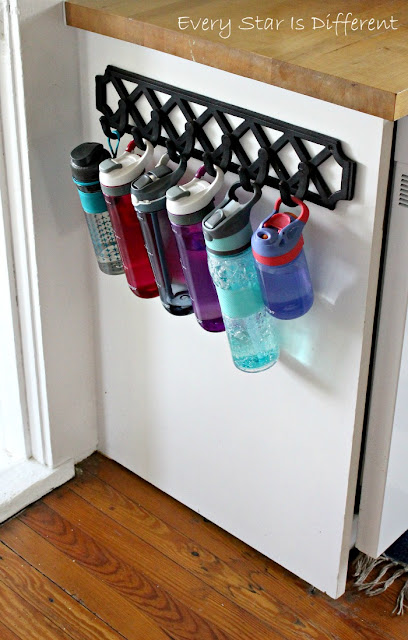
x=277, y=246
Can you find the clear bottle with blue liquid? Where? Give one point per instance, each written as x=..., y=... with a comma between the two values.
x=281, y=264
x=251, y=330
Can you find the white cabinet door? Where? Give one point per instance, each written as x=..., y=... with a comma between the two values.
x=384, y=499
x=271, y=457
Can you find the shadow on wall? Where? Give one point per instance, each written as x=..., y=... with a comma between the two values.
x=305, y=349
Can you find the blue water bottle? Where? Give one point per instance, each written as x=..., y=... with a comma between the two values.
x=250, y=328
x=281, y=264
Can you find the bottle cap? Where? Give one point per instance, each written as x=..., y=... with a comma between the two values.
x=227, y=230
x=278, y=240
x=85, y=160
x=149, y=191
x=190, y=202
x=121, y=171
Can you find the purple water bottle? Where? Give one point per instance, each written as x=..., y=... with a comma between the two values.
x=281, y=264
x=187, y=205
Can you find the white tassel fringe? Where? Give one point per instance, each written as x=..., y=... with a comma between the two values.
x=364, y=565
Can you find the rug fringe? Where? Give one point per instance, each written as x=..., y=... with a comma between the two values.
x=364, y=565
x=403, y=595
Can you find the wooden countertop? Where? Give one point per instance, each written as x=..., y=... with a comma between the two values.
x=364, y=66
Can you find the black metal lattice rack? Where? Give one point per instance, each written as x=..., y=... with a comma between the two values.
x=194, y=142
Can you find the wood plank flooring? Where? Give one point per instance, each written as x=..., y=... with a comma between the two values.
x=108, y=557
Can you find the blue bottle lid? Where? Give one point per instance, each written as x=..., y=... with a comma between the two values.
x=278, y=239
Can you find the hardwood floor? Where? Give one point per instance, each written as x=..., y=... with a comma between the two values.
x=108, y=557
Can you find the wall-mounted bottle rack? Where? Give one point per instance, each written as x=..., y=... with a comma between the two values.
x=235, y=124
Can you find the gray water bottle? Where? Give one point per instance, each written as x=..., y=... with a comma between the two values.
x=85, y=160
x=149, y=200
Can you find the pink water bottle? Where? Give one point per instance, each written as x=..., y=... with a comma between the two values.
x=116, y=176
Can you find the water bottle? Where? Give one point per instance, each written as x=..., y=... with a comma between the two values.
x=281, y=264
x=85, y=161
x=250, y=328
x=116, y=176
x=187, y=206
x=149, y=201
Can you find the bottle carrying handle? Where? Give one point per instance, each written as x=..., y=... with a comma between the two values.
x=147, y=153
x=131, y=146
x=216, y=184
x=230, y=195
x=302, y=217
x=278, y=222
x=246, y=208
x=180, y=171
x=200, y=173
x=177, y=173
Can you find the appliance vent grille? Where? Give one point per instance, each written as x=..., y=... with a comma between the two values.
x=403, y=194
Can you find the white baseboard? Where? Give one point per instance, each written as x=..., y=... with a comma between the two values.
x=85, y=454
x=26, y=481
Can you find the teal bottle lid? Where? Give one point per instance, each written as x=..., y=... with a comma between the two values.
x=227, y=229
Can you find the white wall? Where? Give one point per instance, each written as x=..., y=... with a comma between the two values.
x=62, y=286
x=271, y=457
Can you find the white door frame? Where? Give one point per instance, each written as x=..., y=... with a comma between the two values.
x=26, y=462
x=33, y=427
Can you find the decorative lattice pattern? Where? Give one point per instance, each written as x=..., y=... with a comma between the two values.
x=227, y=135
